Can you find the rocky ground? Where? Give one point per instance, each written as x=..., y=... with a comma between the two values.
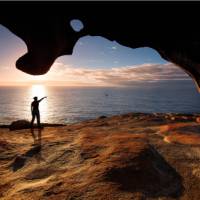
x=134, y=156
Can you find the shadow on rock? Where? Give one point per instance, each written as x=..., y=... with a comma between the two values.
x=36, y=152
x=149, y=174
x=18, y=163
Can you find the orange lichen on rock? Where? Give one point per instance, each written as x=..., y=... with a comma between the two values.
x=181, y=138
x=167, y=129
x=198, y=119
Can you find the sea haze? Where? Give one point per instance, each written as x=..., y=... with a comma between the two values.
x=73, y=104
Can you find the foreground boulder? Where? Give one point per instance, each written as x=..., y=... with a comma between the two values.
x=20, y=124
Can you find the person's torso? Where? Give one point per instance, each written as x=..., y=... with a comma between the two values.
x=35, y=105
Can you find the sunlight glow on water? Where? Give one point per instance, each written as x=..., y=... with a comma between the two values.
x=40, y=91
x=68, y=105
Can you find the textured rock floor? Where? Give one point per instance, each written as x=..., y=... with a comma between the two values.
x=132, y=156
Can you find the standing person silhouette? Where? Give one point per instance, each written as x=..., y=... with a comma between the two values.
x=35, y=111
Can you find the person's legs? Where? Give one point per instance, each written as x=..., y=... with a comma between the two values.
x=38, y=119
x=33, y=119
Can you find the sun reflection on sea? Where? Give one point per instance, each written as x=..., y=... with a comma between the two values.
x=40, y=91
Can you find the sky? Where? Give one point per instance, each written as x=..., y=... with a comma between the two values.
x=95, y=61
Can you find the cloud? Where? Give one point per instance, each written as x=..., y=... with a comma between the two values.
x=119, y=76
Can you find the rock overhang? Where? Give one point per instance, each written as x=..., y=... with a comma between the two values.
x=171, y=28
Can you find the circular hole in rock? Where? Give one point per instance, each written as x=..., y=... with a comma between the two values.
x=76, y=25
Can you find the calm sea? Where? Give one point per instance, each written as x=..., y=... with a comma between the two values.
x=68, y=104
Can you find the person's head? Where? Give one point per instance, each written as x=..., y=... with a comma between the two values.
x=35, y=98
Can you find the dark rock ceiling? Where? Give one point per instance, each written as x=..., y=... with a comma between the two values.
x=171, y=28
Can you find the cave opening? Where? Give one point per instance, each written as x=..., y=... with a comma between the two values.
x=114, y=74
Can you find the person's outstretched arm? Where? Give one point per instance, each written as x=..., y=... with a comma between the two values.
x=42, y=99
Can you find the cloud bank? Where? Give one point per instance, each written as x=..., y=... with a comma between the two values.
x=67, y=75
x=120, y=76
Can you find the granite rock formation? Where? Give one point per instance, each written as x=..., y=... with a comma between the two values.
x=134, y=156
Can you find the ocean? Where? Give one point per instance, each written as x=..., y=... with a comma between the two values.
x=74, y=104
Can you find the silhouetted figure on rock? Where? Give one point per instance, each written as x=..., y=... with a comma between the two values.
x=35, y=111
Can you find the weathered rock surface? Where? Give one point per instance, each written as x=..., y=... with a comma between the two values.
x=119, y=157
x=49, y=35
